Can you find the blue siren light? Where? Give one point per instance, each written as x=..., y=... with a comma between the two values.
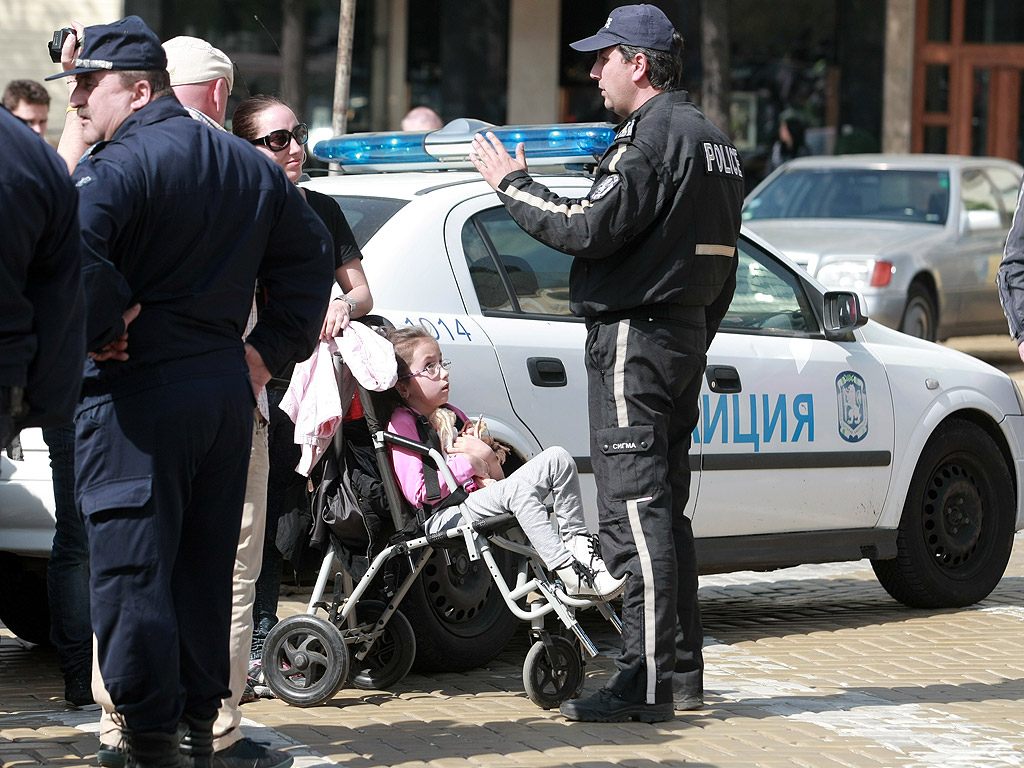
x=579, y=140
x=449, y=147
x=373, y=148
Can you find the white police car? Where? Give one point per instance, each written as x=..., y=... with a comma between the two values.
x=822, y=438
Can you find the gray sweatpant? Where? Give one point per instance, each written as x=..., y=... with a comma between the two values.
x=522, y=493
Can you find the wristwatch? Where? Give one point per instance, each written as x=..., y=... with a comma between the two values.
x=348, y=300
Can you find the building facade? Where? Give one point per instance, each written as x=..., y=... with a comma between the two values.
x=862, y=75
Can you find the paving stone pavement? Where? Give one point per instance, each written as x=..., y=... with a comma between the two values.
x=812, y=666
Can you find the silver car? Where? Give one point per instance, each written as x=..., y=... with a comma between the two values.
x=919, y=236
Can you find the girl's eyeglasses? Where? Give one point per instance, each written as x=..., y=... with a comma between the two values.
x=279, y=139
x=431, y=370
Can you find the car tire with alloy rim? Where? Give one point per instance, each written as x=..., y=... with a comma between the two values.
x=956, y=532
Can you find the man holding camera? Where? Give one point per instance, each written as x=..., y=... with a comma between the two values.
x=178, y=221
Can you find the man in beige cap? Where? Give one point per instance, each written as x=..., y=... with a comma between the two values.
x=202, y=77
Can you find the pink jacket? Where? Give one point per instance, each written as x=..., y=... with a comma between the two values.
x=313, y=403
x=409, y=466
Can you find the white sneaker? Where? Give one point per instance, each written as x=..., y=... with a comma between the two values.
x=583, y=546
x=581, y=581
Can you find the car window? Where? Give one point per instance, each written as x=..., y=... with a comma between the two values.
x=769, y=298
x=511, y=271
x=854, y=193
x=365, y=215
x=1007, y=184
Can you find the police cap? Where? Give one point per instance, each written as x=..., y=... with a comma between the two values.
x=127, y=44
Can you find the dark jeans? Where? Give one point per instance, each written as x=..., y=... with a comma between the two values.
x=283, y=483
x=67, y=573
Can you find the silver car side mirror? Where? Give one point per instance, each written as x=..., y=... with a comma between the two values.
x=843, y=312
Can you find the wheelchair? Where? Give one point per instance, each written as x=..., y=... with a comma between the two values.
x=358, y=634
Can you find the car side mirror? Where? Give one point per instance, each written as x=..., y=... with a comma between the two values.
x=977, y=221
x=843, y=313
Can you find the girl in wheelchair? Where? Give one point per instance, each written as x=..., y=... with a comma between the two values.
x=425, y=415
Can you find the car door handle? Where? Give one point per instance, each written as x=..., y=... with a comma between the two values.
x=723, y=379
x=546, y=371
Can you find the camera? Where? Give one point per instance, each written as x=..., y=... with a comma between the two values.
x=57, y=43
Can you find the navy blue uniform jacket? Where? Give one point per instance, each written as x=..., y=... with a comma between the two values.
x=182, y=219
x=42, y=339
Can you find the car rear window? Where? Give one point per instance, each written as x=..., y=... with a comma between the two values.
x=854, y=193
x=365, y=215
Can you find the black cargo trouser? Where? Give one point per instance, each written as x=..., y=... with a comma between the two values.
x=644, y=378
x=161, y=481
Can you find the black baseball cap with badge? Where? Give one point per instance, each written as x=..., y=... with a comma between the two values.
x=642, y=26
x=127, y=44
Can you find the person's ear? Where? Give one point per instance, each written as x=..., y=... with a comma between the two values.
x=220, y=94
x=142, y=94
x=640, y=67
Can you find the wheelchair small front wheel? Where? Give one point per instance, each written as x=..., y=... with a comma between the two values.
x=392, y=654
x=553, y=677
x=305, y=661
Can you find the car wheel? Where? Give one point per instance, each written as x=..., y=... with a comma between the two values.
x=24, y=605
x=459, y=616
x=956, y=532
x=919, y=314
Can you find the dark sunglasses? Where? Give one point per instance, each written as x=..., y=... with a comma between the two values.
x=279, y=139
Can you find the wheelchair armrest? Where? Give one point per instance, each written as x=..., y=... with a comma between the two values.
x=496, y=524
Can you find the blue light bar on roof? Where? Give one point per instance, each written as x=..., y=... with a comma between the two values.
x=449, y=148
x=373, y=148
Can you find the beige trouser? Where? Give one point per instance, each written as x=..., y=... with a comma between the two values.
x=248, y=561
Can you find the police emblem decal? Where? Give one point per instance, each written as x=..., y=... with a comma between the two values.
x=852, y=402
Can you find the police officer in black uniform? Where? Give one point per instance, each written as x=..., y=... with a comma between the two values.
x=654, y=270
x=178, y=221
x=42, y=338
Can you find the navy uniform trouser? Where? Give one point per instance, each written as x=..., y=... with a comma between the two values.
x=644, y=378
x=161, y=470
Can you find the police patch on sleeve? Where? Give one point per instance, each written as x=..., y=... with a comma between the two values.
x=603, y=187
x=721, y=160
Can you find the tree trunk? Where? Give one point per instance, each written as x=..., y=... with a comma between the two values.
x=714, y=39
x=293, y=54
x=343, y=73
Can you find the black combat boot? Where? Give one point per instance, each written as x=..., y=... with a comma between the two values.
x=152, y=749
x=197, y=743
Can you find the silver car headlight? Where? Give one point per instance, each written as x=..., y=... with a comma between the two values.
x=856, y=275
x=846, y=275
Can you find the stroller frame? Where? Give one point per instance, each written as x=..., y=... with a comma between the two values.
x=306, y=658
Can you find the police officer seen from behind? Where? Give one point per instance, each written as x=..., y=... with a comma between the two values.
x=178, y=221
x=654, y=270
x=41, y=350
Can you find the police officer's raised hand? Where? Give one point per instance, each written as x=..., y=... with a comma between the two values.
x=118, y=348
x=493, y=161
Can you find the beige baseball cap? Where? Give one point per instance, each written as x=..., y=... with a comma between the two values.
x=192, y=60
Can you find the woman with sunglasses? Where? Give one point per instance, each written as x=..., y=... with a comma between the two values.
x=271, y=126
